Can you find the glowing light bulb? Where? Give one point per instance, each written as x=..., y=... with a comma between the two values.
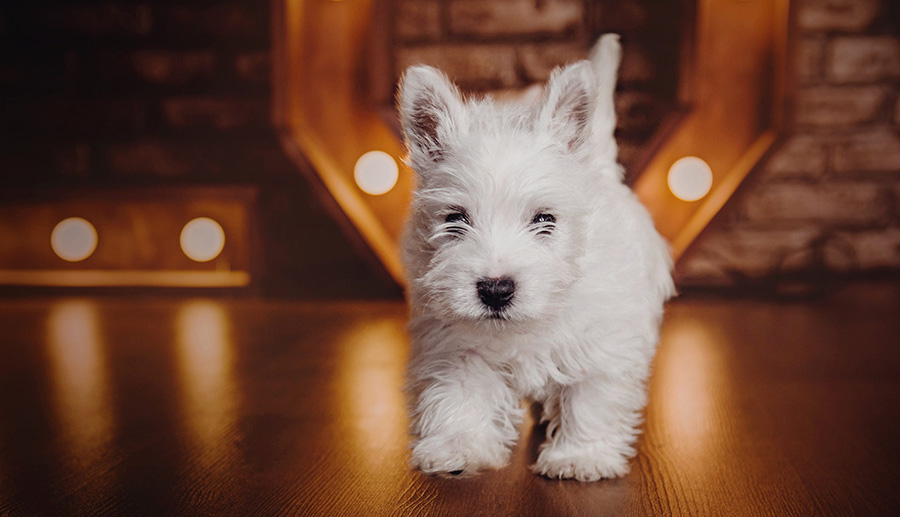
x=376, y=172
x=690, y=178
x=73, y=239
x=202, y=239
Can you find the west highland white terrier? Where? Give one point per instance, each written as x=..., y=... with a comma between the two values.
x=534, y=272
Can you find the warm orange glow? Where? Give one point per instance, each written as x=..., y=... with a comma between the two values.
x=685, y=387
x=689, y=384
x=81, y=391
x=690, y=178
x=73, y=239
x=371, y=371
x=376, y=172
x=202, y=239
x=205, y=362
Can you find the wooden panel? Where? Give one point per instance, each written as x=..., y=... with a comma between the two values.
x=138, y=241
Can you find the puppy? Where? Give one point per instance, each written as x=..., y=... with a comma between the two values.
x=534, y=272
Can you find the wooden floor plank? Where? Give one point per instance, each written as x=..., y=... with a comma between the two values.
x=168, y=406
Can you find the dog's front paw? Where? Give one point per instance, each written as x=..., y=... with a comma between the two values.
x=584, y=464
x=457, y=455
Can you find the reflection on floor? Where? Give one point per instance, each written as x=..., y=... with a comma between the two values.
x=248, y=407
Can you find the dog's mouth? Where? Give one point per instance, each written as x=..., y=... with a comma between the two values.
x=498, y=315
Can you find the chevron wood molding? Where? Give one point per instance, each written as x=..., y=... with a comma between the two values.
x=732, y=88
x=325, y=121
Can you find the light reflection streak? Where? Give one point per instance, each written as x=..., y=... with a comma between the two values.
x=372, y=362
x=205, y=355
x=696, y=420
x=82, y=395
x=689, y=370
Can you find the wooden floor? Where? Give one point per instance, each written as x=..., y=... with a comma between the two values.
x=247, y=407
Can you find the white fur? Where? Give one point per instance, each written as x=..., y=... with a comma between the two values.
x=581, y=330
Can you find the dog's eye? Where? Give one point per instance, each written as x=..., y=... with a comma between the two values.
x=543, y=218
x=457, y=217
x=456, y=222
x=543, y=223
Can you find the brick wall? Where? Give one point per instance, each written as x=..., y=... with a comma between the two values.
x=131, y=93
x=115, y=91
x=827, y=203
x=504, y=45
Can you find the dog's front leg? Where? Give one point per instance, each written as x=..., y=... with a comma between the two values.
x=593, y=425
x=465, y=417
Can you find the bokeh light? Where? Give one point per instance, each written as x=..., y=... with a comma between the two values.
x=73, y=239
x=202, y=239
x=376, y=172
x=690, y=178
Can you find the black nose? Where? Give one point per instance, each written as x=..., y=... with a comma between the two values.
x=496, y=293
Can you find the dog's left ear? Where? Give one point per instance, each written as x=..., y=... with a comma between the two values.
x=430, y=111
x=568, y=104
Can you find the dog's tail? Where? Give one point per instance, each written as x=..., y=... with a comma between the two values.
x=605, y=58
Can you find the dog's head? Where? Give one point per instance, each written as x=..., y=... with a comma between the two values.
x=503, y=196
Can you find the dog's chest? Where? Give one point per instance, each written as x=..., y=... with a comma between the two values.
x=537, y=363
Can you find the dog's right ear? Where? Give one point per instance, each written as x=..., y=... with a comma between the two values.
x=430, y=110
x=568, y=104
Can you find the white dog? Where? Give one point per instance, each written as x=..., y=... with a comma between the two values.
x=534, y=272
